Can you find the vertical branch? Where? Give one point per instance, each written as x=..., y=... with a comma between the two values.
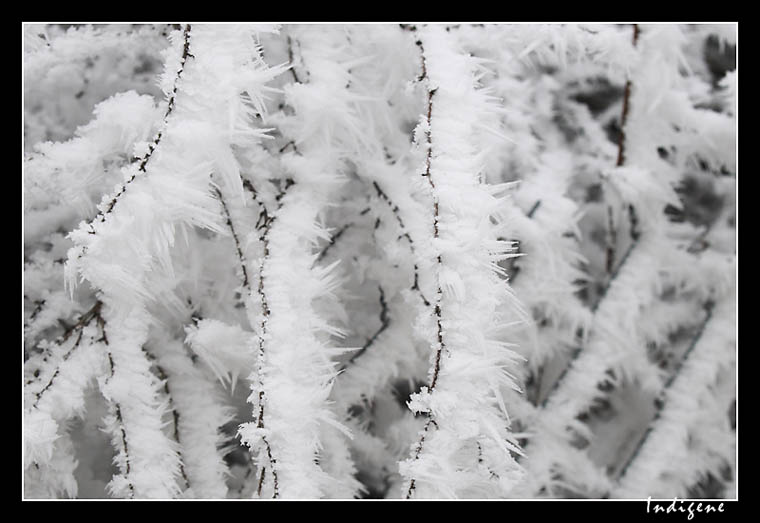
x=263, y=225
x=116, y=406
x=633, y=218
x=464, y=256
x=265, y=312
x=290, y=60
x=428, y=161
x=611, y=240
x=439, y=293
x=626, y=102
x=238, y=248
x=175, y=413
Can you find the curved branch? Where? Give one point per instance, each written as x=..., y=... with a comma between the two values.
x=101, y=216
x=384, y=323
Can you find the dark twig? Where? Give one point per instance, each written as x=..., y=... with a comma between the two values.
x=101, y=217
x=333, y=239
x=239, y=249
x=633, y=218
x=439, y=293
x=626, y=102
x=266, y=227
x=437, y=310
x=116, y=406
x=175, y=414
x=404, y=234
x=423, y=75
x=611, y=241
x=38, y=396
x=291, y=143
x=39, y=304
x=292, y=63
x=418, y=451
x=85, y=320
x=533, y=209
x=384, y=323
x=263, y=225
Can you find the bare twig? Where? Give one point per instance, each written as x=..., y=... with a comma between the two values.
x=404, y=234
x=333, y=239
x=290, y=59
x=384, y=322
x=241, y=258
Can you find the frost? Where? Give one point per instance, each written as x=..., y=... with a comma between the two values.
x=411, y=261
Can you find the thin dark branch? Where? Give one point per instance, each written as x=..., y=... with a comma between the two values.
x=626, y=103
x=263, y=225
x=384, y=323
x=533, y=209
x=38, y=396
x=116, y=406
x=85, y=320
x=163, y=376
x=38, y=307
x=239, y=249
x=404, y=234
x=291, y=143
x=422, y=75
x=437, y=310
x=101, y=217
x=333, y=239
x=418, y=451
x=292, y=63
x=265, y=229
x=633, y=218
x=611, y=241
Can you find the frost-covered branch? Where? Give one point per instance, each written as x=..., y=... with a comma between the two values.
x=672, y=453
x=466, y=415
x=442, y=260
